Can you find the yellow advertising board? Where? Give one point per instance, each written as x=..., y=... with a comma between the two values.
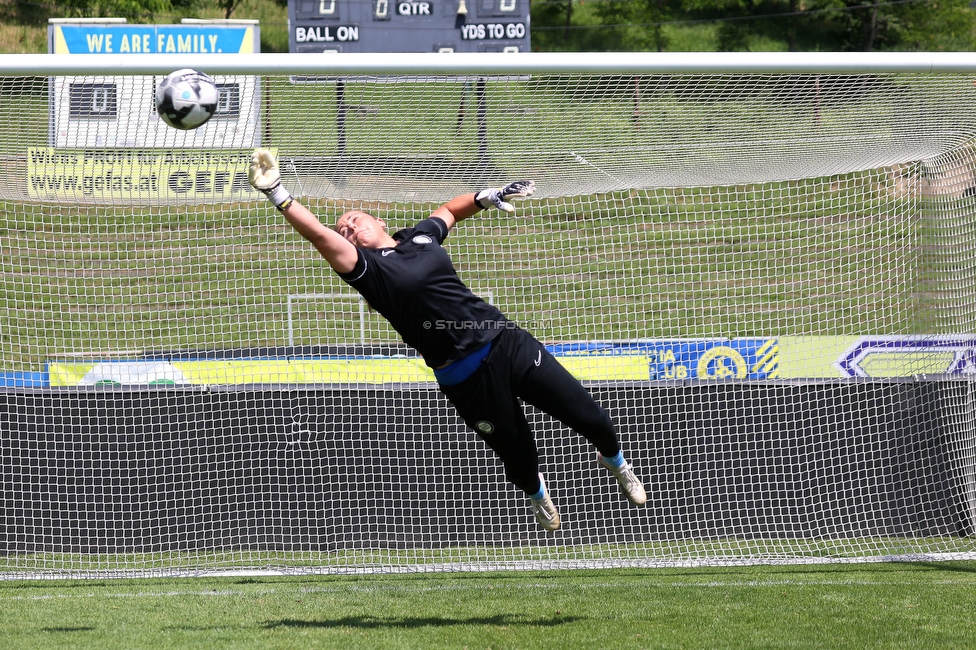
x=811, y=357
x=139, y=175
x=302, y=371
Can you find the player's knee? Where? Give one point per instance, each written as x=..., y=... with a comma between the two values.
x=597, y=425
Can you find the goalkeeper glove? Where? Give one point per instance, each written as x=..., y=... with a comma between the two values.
x=500, y=196
x=264, y=176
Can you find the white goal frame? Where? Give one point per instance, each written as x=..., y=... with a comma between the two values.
x=496, y=63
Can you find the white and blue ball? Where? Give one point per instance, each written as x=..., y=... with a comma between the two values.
x=186, y=99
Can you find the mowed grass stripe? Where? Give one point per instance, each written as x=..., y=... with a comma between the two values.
x=872, y=605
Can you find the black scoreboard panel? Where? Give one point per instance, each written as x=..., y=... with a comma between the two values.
x=408, y=25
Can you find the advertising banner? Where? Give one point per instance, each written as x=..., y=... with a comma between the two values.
x=139, y=175
x=152, y=39
x=820, y=357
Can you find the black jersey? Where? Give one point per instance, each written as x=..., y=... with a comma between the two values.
x=415, y=287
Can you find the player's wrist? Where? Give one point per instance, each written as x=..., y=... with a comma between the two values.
x=279, y=196
x=480, y=198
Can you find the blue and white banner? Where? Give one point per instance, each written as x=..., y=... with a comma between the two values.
x=152, y=39
x=690, y=358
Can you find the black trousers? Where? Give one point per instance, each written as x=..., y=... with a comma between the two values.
x=519, y=366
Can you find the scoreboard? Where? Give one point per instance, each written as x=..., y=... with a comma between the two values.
x=408, y=25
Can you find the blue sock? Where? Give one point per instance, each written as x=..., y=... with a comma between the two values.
x=538, y=496
x=616, y=461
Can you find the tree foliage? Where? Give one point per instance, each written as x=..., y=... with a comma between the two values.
x=738, y=25
x=32, y=13
x=645, y=25
x=133, y=9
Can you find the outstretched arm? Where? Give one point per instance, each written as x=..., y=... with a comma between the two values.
x=466, y=205
x=457, y=209
x=337, y=251
x=265, y=176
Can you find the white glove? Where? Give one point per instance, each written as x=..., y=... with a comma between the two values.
x=499, y=196
x=264, y=176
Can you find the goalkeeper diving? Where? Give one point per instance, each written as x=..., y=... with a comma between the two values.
x=483, y=362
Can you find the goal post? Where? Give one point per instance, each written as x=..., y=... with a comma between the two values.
x=762, y=265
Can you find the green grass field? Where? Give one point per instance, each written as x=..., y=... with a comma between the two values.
x=895, y=605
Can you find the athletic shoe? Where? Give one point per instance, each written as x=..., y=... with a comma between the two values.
x=630, y=485
x=545, y=512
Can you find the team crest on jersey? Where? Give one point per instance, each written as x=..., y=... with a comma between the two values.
x=422, y=239
x=484, y=426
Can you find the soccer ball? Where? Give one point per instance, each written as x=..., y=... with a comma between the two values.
x=186, y=99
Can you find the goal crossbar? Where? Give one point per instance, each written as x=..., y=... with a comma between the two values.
x=495, y=63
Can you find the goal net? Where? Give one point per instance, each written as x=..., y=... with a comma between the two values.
x=763, y=270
